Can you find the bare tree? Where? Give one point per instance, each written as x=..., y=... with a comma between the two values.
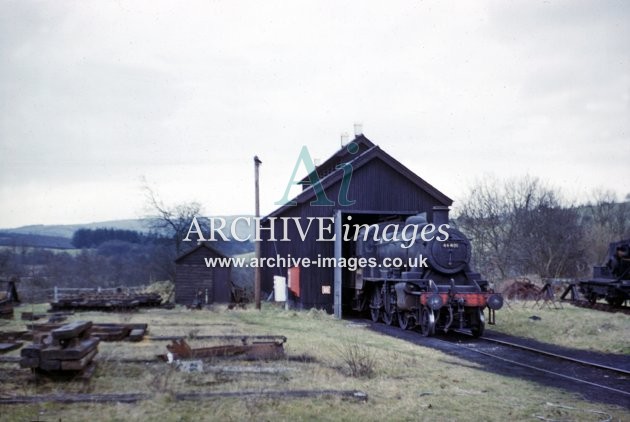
x=172, y=221
x=483, y=215
x=521, y=226
x=608, y=221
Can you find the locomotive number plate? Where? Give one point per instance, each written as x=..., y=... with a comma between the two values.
x=450, y=245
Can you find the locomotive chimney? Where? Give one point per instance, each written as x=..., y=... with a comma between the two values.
x=440, y=215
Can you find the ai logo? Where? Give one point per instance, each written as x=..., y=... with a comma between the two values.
x=322, y=199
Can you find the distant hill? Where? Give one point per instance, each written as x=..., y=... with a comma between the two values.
x=60, y=236
x=35, y=241
x=67, y=230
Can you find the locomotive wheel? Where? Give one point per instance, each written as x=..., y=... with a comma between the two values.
x=616, y=302
x=427, y=322
x=477, y=323
x=406, y=320
x=390, y=317
x=375, y=305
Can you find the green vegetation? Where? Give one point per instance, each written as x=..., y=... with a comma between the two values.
x=404, y=381
x=569, y=326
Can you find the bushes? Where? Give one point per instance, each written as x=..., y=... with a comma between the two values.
x=359, y=360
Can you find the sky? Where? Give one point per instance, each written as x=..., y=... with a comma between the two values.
x=98, y=98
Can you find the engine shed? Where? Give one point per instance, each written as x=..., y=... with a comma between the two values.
x=380, y=189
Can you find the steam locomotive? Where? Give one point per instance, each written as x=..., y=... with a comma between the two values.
x=427, y=283
x=612, y=280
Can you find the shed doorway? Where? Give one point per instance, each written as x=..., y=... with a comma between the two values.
x=346, y=248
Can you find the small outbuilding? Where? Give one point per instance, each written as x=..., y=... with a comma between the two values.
x=196, y=282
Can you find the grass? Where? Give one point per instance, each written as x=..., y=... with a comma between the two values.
x=569, y=326
x=407, y=382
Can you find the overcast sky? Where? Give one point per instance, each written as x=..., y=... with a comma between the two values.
x=96, y=95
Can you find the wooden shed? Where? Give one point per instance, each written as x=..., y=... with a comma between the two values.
x=196, y=282
x=382, y=189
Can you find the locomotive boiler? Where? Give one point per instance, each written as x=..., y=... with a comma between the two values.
x=425, y=283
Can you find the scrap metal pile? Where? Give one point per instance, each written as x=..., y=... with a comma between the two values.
x=67, y=350
x=521, y=289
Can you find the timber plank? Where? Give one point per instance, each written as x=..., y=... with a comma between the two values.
x=29, y=362
x=31, y=351
x=74, y=329
x=7, y=347
x=50, y=364
x=70, y=353
x=78, y=365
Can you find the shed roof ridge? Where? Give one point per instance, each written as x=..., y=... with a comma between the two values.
x=327, y=178
x=341, y=152
x=196, y=248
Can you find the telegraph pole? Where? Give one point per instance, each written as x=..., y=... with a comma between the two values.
x=257, y=164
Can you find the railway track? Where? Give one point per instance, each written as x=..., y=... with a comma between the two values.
x=621, y=371
x=598, y=306
x=592, y=380
x=604, y=377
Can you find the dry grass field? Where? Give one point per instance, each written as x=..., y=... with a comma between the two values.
x=567, y=326
x=407, y=382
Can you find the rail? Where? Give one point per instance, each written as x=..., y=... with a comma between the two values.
x=556, y=355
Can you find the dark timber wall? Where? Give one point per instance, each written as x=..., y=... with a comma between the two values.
x=379, y=185
x=192, y=275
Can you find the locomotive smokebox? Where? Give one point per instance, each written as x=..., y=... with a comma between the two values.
x=440, y=215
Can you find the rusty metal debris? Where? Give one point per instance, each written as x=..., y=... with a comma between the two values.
x=68, y=349
x=521, y=289
x=269, y=350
